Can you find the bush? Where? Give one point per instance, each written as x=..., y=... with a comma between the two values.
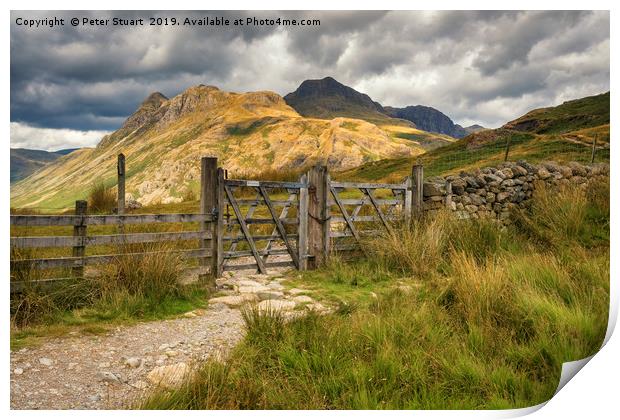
x=39, y=302
x=101, y=199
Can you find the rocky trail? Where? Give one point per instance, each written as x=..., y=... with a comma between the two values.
x=116, y=369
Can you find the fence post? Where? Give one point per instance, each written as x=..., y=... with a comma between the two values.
x=507, y=149
x=120, y=171
x=302, y=233
x=448, y=199
x=407, y=202
x=208, y=205
x=79, y=231
x=318, y=215
x=218, y=230
x=417, y=179
x=594, y=148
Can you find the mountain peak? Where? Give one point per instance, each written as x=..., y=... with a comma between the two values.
x=155, y=98
x=328, y=98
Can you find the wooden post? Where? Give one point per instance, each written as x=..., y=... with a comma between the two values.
x=302, y=215
x=448, y=199
x=318, y=215
x=417, y=190
x=219, y=225
x=594, y=148
x=507, y=149
x=407, y=201
x=120, y=171
x=208, y=207
x=79, y=231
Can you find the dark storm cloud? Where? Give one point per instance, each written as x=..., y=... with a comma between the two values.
x=484, y=66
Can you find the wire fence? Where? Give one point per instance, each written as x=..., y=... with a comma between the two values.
x=492, y=149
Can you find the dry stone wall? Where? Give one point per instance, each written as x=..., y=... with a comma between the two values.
x=495, y=192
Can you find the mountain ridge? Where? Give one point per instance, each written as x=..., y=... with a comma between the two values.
x=164, y=139
x=328, y=98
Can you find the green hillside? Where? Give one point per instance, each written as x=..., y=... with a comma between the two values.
x=563, y=133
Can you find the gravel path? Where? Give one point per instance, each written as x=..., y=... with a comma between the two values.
x=114, y=370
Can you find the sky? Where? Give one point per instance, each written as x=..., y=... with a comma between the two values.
x=71, y=85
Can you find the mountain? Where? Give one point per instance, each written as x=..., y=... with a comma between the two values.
x=430, y=119
x=26, y=161
x=474, y=128
x=252, y=132
x=327, y=98
x=561, y=133
x=65, y=151
x=573, y=115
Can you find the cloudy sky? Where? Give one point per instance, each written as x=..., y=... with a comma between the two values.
x=69, y=85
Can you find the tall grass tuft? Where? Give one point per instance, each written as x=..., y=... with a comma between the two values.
x=101, y=199
x=497, y=312
x=39, y=302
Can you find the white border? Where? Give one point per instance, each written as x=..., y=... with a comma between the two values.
x=594, y=391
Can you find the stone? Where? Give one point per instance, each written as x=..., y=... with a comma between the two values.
x=18, y=371
x=566, y=171
x=543, y=173
x=217, y=306
x=490, y=197
x=508, y=183
x=577, y=169
x=458, y=186
x=430, y=190
x=275, y=286
x=296, y=291
x=170, y=376
x=317, y=307
x=519, y=170
x=503, y=196
x=471, y=208
x=476, y=199
x=94, y=398
x=104, y=365
x=140, y=385
x=46, y=361
x=252, y=289
x=270, y=294
x=234, y=300
x=172, y=353
x=301, y=299
x=276, y=305
x=507, y=172
x=471, y=182
x=108, y=377
x=133, y=362
x=249, y=283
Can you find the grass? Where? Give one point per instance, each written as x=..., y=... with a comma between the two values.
x=467, y=316
x=143, y=285
x=101, y=199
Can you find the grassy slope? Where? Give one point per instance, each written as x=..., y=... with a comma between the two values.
x=248, y=132
x=561, y=133
x=484, y=320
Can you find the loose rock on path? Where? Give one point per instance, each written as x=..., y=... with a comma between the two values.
x=116, y=369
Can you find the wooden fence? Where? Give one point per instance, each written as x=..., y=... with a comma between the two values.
x=239, y=221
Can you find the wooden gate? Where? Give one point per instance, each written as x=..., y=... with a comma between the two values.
x=242, y=224
x=362, y=209
x=259, y=220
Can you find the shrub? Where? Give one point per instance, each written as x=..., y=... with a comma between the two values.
x=101, y=199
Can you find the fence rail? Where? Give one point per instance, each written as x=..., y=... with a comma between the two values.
x=242, y=224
